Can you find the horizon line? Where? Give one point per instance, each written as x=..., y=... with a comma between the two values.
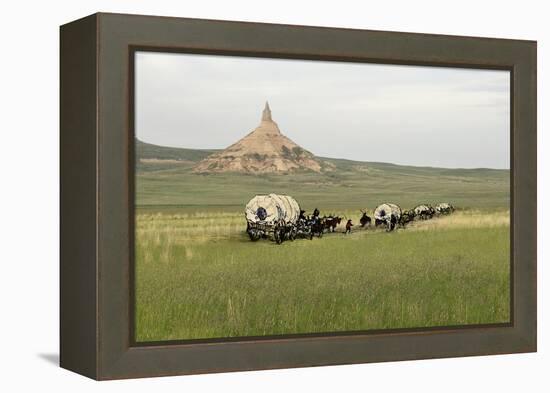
x=344, y=159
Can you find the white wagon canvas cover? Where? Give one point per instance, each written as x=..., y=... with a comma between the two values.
x=385, y=210
x=279, y=208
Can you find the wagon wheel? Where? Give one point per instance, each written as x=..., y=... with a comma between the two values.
x=254, y=236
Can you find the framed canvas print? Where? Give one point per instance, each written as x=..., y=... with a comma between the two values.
x=242, y=196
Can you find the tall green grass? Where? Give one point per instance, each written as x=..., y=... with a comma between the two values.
x=198, y=276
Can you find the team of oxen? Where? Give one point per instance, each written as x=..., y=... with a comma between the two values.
x=279, y=217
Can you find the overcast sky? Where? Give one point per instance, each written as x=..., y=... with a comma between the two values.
x=426, y=116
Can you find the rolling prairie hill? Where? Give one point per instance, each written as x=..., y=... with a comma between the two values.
x=165, y=179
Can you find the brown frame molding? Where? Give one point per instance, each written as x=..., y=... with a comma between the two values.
x=97, y=167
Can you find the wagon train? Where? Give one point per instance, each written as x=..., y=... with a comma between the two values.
x=279, y=218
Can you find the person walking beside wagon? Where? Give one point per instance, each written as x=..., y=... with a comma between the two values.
x=348, y=226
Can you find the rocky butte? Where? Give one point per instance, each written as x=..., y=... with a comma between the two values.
x=263, y=150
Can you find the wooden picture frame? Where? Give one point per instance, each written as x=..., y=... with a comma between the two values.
x=97, y=192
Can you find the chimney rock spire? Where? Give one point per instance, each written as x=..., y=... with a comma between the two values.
x=264, y=150
x=266, y=114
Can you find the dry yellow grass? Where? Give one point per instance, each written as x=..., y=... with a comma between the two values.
x=465, y=219
x=200, y=227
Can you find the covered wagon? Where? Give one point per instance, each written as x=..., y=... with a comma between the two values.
x=424, y=212
x=387, y=214
x=272, y=216
x=444, y=208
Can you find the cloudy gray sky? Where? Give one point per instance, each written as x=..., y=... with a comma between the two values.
x=427, y=116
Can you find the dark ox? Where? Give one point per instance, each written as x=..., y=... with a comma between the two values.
x=332, y=222
x=406, y=217
x=365, y=220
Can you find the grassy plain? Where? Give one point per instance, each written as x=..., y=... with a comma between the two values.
x=199, y=276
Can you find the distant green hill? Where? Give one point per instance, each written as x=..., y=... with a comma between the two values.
x=153, y=152
x=165, y=180
x=150, y=151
